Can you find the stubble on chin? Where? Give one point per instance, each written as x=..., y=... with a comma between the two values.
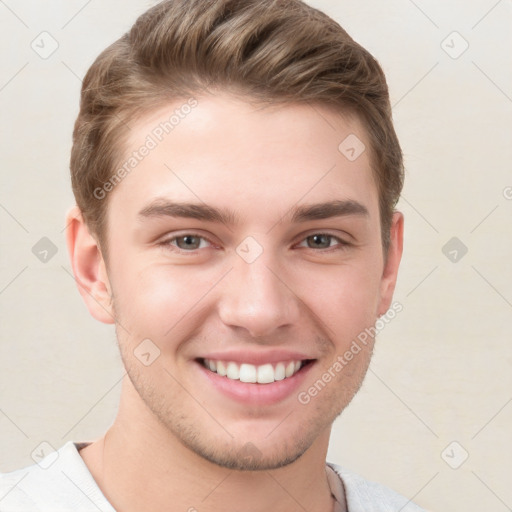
x=201, y=431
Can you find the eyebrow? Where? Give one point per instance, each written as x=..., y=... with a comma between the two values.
x=302, y=213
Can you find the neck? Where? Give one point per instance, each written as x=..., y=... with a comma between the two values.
x=139, y=465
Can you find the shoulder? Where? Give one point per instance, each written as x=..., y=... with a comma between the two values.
x=60, y=482
x=367, y=496
x=13, y=497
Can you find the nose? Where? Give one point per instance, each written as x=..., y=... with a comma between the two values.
x=256, y=297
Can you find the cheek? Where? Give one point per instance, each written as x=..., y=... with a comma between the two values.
x=163, y=301
x=345, y=297
x=158, y=299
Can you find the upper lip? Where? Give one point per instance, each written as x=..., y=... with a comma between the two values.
x=256, y=357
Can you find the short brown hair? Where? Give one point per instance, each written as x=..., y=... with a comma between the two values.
x=272, y=51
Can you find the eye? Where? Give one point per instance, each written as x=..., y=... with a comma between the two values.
x=322, y=241
x=187, y=242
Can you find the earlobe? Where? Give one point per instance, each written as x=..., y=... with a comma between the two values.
x=89, y=268
x=390, y=272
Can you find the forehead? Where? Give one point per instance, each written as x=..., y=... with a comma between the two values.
x=217, y=149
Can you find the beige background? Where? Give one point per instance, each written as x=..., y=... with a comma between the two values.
x=442, y=368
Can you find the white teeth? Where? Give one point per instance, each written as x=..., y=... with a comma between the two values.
x=265, y=374
x=248, y=373
x=233, y=371
x=279, y=372
x=245, y=372
x=221, y=369
x=290, y=369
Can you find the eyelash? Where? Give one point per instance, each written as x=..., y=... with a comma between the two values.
x=168, y=243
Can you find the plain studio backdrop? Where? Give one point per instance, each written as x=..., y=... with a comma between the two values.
x=433, y=418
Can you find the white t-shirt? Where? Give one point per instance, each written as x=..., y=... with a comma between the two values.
x=61, y=482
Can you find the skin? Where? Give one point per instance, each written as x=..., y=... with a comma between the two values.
x=176, y=443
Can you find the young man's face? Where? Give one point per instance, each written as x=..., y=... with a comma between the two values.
x=271, y=284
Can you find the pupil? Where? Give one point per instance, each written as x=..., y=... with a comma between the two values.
x=189, y=241
x=321, y=240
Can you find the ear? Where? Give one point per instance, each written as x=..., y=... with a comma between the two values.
x=89, y=268
x=390, y=272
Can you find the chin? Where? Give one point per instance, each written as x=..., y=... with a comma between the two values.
x=249, y=458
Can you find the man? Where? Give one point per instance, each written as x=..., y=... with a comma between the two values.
x=235, y=169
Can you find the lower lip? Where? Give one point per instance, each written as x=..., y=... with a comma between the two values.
x=256, y=394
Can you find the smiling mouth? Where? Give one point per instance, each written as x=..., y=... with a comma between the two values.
x=256, y=374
